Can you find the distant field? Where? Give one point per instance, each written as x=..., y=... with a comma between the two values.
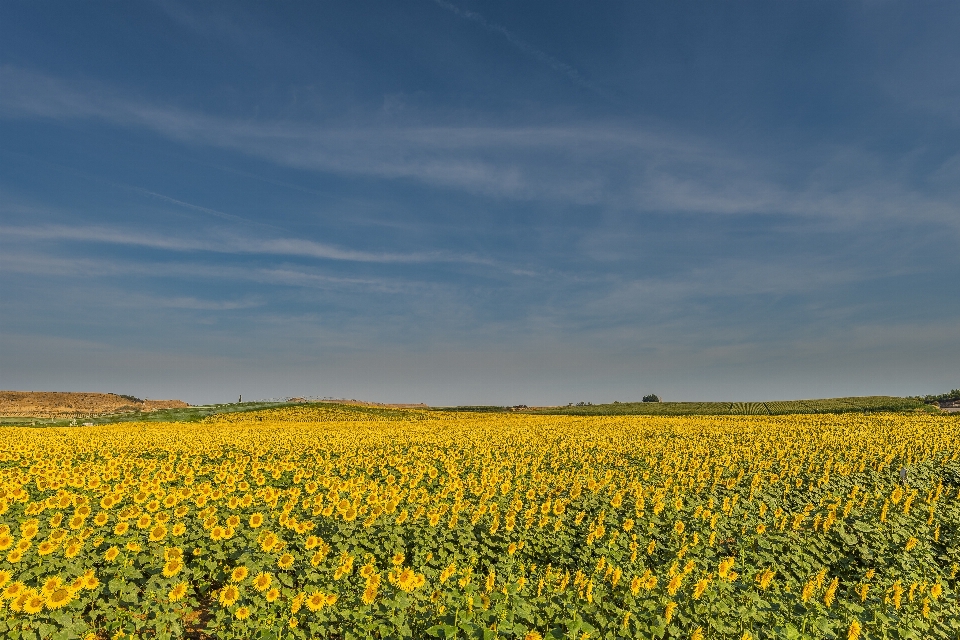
x=775, y=408
x=864, y=404
x=196, y=413
x=182, y=414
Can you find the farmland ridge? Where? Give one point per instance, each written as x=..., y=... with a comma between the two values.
x=62, y=404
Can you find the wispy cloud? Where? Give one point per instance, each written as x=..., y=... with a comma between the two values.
x=48, y=264
x=524, y=46
x=225, y=243
x=619, y=166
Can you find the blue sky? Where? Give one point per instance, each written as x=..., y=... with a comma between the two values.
x=480, y=202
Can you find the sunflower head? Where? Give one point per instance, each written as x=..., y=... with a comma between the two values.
x=33, y=604
x=316, y=601
x=178, y=592
x=51, y=584
x=229, y=595
x=59, y=598
x=262, y=582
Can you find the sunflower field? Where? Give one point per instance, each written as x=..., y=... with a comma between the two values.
x=327, y=522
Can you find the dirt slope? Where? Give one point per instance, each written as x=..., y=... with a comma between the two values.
x=58, y=404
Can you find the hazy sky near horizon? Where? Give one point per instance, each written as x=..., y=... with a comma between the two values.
x=462, y=202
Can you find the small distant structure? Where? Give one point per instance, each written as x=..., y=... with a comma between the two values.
x=518, y=407
x=651, y=398
x=950, y=406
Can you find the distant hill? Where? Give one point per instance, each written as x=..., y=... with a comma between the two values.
x=63, y=404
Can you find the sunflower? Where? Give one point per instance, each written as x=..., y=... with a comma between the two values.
x=256, y=520
x=14, y=556
x=101, y=519
x=6, y=541
x=121, y=528
x=144, y=521
x=316, y=601
x=19, y=601
x=51, y=584
x=178, y=592
x=262, y=582
x=285, y=561
x=134, y=546
x=233, y=521
x=72, y=549
x=179, y=529
x=90, y=580
x=13, y=590
x=242, y=613
x=59, y=598
x=272, y=595
x=46, y=548
x=172, y=567
x=229, y=595
x=239, y=574
x=111, y=554
x=297, y=602
x=33, y=604
x=699, y=589
x=269, y=542
x=668, y=612
x=158, y=533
